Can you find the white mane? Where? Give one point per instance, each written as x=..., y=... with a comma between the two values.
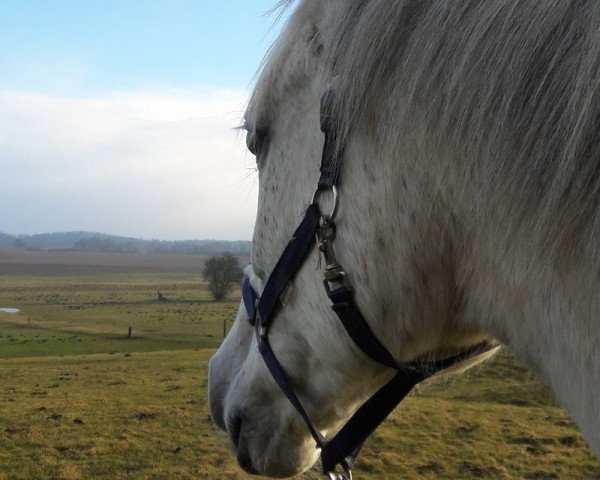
x=515, y=89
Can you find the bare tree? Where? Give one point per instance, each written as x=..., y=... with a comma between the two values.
x=221, y=272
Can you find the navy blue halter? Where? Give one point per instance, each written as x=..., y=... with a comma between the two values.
x=344, y=447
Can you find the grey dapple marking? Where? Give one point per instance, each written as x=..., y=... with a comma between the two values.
x=470, y=204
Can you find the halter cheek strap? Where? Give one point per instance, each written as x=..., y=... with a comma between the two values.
x=344, y=447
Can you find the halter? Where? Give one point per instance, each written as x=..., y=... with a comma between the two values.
x=344, y=447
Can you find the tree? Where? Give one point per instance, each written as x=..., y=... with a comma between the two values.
x=19, y=243
x=221, y=272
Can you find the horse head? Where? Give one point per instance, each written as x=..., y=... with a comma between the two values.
x=401, y=269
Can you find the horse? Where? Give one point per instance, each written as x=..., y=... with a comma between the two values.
x=467, y=210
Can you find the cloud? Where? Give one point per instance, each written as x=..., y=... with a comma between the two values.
x=164, y=164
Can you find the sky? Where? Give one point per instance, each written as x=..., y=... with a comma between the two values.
x=119, y=116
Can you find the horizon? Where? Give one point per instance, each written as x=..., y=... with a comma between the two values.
x=147, y=239
x=131, y=130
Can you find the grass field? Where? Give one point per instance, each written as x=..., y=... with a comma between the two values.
x=81, y=400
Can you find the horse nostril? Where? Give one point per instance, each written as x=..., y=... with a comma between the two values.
x=244, y=461
x=218, y=421
x=234, y=427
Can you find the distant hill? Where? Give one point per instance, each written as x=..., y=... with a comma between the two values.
x=101, y=242
x=46, y=241
x=6, y=240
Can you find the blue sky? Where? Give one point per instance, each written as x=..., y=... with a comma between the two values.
x=86, y=46
x=120, y=116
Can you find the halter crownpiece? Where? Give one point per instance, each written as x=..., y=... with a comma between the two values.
x=344, y=447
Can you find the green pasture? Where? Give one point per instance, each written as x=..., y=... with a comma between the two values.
x=84, y=315
x=79, y=399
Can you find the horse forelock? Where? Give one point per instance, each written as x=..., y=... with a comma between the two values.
x=506, y=91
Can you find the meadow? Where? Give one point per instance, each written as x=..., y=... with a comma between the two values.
x=80, y=399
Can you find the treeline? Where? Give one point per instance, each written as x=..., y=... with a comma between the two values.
x=99, y=242
x=6, y=240
x=186, y=247
x=45, y=241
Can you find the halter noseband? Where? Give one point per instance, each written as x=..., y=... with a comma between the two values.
x=344, y=447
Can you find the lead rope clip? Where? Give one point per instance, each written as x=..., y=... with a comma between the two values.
x=334, y=275
x=345, y=475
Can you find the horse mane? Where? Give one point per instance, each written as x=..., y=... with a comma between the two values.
x=508, y=90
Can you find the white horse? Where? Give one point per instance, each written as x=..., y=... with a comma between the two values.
x=469, y=205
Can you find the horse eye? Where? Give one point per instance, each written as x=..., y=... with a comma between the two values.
x=257, y=142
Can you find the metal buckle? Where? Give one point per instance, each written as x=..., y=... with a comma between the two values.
x=336, y=277
x=334, y=209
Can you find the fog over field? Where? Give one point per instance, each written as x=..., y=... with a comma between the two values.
x=22, y=262
x=127, y=163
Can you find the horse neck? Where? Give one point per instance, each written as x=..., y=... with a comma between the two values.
x=426, y=283
x=548, y=315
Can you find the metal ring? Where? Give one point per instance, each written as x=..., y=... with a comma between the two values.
x=334, y=192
